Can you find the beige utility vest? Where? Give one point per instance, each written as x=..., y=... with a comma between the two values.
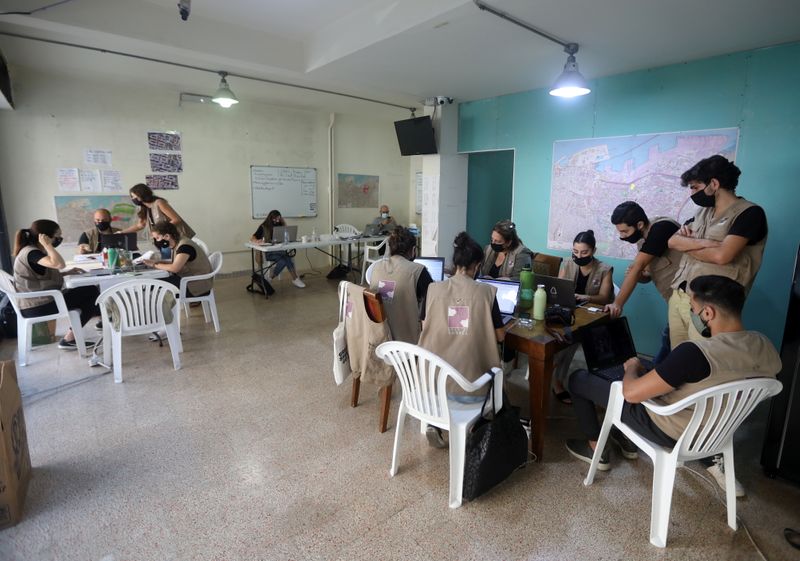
x=363, y=337
x=515, y=260
x=155, y=216
x=742, y=269
x=595, y=280
x=458, y=327
x=663, y=267
x=732, y=356
x=396, y=281
x=27, y=280
x=94, y=238
x=199, y=266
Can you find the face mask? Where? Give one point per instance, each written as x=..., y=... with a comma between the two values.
x=384, y=215
x=582, y=261
x=57, y=241
x=276, y=222
x=701, y=198
x=498, y=247
x=700, y=325
x=103, y=226
x=137, y=202
x=633, y=238
x=161, y=244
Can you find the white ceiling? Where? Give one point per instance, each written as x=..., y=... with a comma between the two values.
x=398, y=51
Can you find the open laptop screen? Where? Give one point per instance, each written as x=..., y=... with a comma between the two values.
x=507, y=292
x=607, y=344
x=435, y=266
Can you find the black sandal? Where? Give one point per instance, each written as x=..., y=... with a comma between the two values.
x=563, y=397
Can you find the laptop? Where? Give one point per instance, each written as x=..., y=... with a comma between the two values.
x=120, y=241
x=435, y=266
x=559, y=291
x=165, y=254
x=372, y=230
x=607, y=346
x=507, y=293
x=278, y=233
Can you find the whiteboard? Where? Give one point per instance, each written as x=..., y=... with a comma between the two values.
x=292, y=191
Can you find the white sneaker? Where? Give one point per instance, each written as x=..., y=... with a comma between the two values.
x=298, y=283
x=718, y=472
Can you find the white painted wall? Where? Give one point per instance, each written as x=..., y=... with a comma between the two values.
x=58, y=116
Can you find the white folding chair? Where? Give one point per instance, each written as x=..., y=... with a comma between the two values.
x=718, y=412
x=25, y=325
x=423, y=379
x=138, y=307
x=208, y=301
x=203, y=245
x=372, y=255
x=347, y=230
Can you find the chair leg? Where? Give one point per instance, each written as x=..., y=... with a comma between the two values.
x=398, y=430
x=212, y=304
x=354, y=393
x=730, y=485
x=116, y=350
x=458, y=445
x=386, y=403
x=186, y=309
x=206, y=315
x=598, y=451
x=664, y=467
x=77, y=331
x=174, y=339
x=24, y=342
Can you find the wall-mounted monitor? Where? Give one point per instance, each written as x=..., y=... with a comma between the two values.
x=415, y=136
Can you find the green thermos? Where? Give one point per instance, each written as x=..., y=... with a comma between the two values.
x=526, y=288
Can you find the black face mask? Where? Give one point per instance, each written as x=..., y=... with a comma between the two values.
x=103, y=226
x=137, y=202
x=581, y=261
x=633, y=238
x=702, y=199
x=498, y=247
x=57, y=241
x=161, y=244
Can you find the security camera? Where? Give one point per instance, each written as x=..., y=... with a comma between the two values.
x=437, y=100
x=184, y=7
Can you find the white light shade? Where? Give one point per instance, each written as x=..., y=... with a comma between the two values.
x=571, y=83
x=224, y=96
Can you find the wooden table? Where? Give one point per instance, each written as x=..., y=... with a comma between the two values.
x=540, y=347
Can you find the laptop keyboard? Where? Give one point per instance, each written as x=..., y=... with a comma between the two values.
x=615, y=373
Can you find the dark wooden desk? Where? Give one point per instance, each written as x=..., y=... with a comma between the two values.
x=540, y=348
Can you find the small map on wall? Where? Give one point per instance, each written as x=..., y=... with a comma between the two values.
x=358, y=191
x=156, y=182
x=76, y=214
x=592, y=176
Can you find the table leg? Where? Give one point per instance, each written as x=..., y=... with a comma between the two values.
x=540, y=372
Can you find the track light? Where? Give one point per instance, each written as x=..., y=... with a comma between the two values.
x=224, y=96
x=571, y=83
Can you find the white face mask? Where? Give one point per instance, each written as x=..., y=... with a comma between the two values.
x=384, y=215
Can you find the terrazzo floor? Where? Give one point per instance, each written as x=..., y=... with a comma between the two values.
x=250, y=451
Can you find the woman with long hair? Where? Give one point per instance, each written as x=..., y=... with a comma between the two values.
x=154, y=209
x=506, y=255
x=281, y=259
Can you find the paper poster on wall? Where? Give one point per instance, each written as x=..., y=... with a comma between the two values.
x=418, y=191
x=592, y=176
x=90, y=181
x=163, y=182
x=68, y=180
x=169, y=141
x=112, y=180
x=357, y=191
x=167, y=163
x=93, y=157
x=430, y=214
x=75, y=214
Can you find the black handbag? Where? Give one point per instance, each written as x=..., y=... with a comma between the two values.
x=496, y=446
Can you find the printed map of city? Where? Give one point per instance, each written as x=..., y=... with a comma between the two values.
x=592, y=176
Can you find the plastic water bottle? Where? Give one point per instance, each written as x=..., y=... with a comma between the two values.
x=526, y=288
x=286, y=236
x=539, y=302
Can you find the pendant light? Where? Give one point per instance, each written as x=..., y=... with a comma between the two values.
x=224, y=96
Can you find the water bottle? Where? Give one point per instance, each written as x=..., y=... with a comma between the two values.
x=526, y=288
x=539, y=302
x=105, y=258
x=286, y=236
x=314, y=235
x=112, y=258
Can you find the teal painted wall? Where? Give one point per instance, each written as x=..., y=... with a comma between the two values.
x=754, y=90
x=490, y=189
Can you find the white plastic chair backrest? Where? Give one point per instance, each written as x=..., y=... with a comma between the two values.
x=216, y=262
x=203, y=245
x=377, y=247
x=140, y=303
x=423, y=379
x=347, y=229
x=7, y=285
x=718, y=412
x=368, y=273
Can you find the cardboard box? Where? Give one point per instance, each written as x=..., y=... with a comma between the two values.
x=15, y=460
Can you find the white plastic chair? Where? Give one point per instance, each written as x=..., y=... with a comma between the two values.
x=368, y=273
x=372, y=255
x=423, y=378
x=724, y=406
x=140, y=306
x=203, y=245
x=346, y=230
x=25, y=325
x=208, y=301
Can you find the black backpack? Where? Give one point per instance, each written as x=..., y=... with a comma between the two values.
x=8, y=321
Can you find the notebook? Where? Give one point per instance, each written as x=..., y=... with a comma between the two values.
x=278, y=233
x=507, y=292
x=607, y=346
x=435, y=266
x=559, y=291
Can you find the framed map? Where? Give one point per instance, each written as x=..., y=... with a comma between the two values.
x=76, y=214
x=357, y=191
x=592, y=176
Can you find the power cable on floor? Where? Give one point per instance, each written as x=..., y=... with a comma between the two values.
x=31, y=398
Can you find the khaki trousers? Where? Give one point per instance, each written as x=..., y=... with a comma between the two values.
x=681, y=328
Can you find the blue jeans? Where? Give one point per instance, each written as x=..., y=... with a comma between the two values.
x=281, y=261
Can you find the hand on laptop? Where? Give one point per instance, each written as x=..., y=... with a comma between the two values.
x=634, y=366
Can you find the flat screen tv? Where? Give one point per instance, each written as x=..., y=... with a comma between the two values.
x=415, y=136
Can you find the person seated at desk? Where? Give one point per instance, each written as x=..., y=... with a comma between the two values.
x=153, y=209
x=462, y=324
x=385, y=220
x=280, y=259
x=506, y=255
x=402, y=285
x=38, y=265
x=726, y=353
x=188, y=259
x=593, y=284
x=90, y=241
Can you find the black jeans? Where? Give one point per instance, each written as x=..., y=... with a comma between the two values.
x=589, y=391
x=81, y=298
